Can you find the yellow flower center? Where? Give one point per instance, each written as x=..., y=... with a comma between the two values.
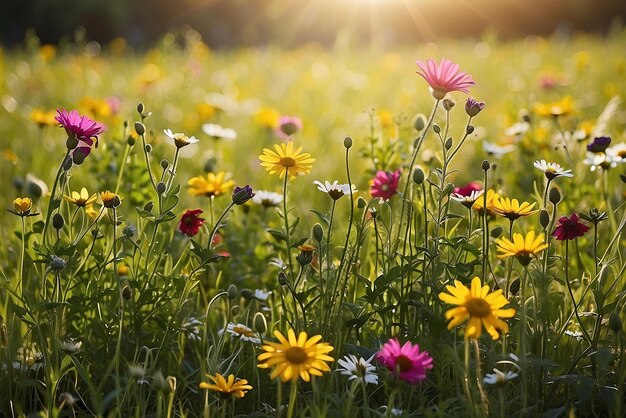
x=404, y=363
x=287, y=162
x=247, y=332
x=296, y=355
x=478, y=307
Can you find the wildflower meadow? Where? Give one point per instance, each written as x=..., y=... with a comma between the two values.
x=431, y=231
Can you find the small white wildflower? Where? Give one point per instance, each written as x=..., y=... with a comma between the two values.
x=358, y=368
x=267, y=199
x=467, y=201
x=262, y=295
x=243, y=332
x=335, y=190
x=180, y=139
x=498, y=377
x=497, y=150
x=517, y=129
x=71, y=346
x=552, y=170
x=192, y=329
x=574, y=334
x=217, y=131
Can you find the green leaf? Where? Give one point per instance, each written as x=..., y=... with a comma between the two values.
x=144, y=213
x=277, y=234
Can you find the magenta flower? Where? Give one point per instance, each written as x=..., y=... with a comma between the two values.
x=80, y=127
x=191, y=222
x=569, y=228
x=385, y=184
x=444, y=77
x=406, y=361
x=468, y=189
x=473, y=107
x=287, y=126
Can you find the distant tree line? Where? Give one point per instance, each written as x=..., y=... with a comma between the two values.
x=225, y=23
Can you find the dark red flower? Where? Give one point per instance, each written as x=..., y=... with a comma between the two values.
x=191, y=222
x=569, y=228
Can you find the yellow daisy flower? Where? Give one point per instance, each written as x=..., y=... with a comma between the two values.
x=294, y=358
x=91, y=212
x=267, y=117
x=227, y=388
x=284, y=159
x=563, y=107
x=492, y=198
x=212, y=185
x=522, y=248
x=81, y=199
x=480, y=306
x=110, y=199
x=22, y=205
x=43, y=118
x=512, y=209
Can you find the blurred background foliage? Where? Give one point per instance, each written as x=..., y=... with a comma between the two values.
x=235, y=23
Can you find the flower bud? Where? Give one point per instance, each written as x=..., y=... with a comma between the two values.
x=282, y=279
x=318, y=232
x=448, y=104
x=130, y=140
x=246, y=293
x=615, y=322
x=57, y=221
x=347, y=142
x=473, y=107
x=160, y=187
x=259, y=323
x=233, y=292
x=419, y=122
x=496, y=232
x=469, y=130
x=514, y=288
x=361, y=203
x=140, y=128
x=544, y=218
x=485, y=165
x=448, y=189
x=242, y=194
x=148, y=148
x=79, y=155
x=127, y=292
x=164, y=164
x=554, y=196
x=448, y=143
x=140, y=108
x=72, y=142
x=436, y=128
x=418, y=176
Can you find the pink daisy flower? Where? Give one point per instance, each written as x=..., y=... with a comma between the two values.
x=444, y=77
x=82, y=128
x=287, y=126
x=385, y=184
x=405, y=361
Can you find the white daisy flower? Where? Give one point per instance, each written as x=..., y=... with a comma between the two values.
x=618, y=152
x=218, y=132
x=262, y=295
x=517, y=129
x=498, y=377
x=552, y=170
x=358, y=368
x=192, y=329
x=71, y=346
x=180, y=139
x=467, y=201
x=335, y=190
x=606, y=160
x=267, y=199
x=497, y=150
x=243, y=332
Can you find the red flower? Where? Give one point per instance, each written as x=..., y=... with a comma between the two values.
x=468, y=189
x=569, y=228
x=190, y=222
x=385, y=184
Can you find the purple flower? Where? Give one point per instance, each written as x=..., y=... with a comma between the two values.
x=406, y=361
x=80, y=127
x=242, y=194
x=599, y=144
x=472, y=107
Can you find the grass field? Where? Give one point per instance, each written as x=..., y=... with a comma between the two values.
x=126, y=301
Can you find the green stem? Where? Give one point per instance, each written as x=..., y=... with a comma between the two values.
x=287, y=232
x=52, y=193
x=293, y=397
